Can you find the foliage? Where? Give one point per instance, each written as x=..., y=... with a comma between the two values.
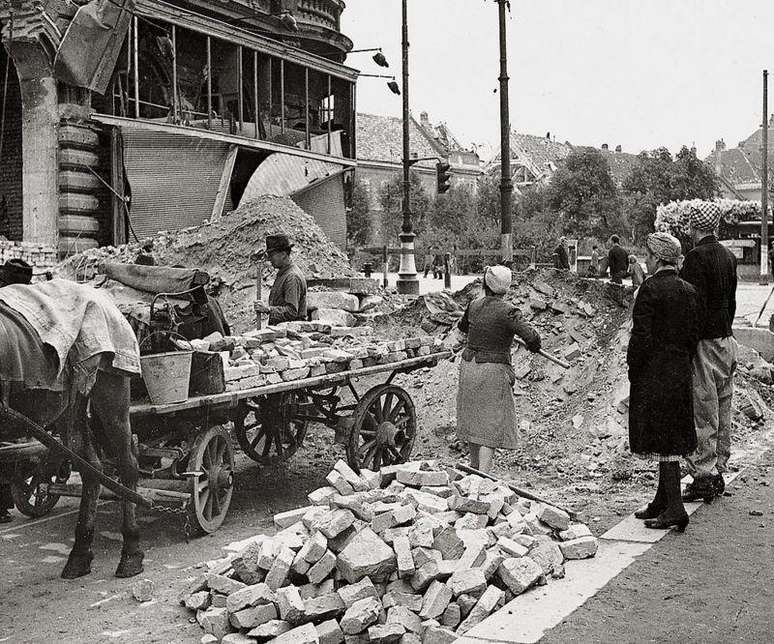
x=391, y=200
x=358, y=216
x=675, y=216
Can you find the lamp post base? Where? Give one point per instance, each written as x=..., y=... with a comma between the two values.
x=408, y=280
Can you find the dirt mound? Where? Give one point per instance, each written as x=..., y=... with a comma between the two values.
x=223, y=249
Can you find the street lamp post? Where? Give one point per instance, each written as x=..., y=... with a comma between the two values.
x=506, y=181
x=408, y=281
x=765, y=184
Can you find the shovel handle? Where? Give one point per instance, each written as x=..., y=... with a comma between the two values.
x=546, y=355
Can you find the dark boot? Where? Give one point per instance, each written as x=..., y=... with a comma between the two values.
x=702, y=488
x=674, y=514
x=719, y=483
x=655, y=507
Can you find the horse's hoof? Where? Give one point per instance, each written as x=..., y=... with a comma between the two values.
x=130, y=565
x=77, y=566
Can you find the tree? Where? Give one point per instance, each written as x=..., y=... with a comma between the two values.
x=657, y=179
x=453, y=210
x=584, y=193
x=391, y=200
x=358, y=216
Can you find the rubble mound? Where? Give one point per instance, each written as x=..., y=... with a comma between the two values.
x=223, y=248
x=411, y=553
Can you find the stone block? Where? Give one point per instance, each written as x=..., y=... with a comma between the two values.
x=473, y=556
x=333, y=300
x=324, y=607
x=403, y=556
x=466, y=604
x=425, y=575
x=250, y=596
x=511, y=547
x=492, y=560
x=411, y=601
x=290, y=605
x=385, y=633
x=449, y=544
x=427, y=502
x=237, y=638
x=519, y=574
x=471, y=521
x=217, y=600
x=333, y=522
x=287, y=519
x=198, y=601
x=372, y=479
x=351, y=593
x=418, y=478
x=470, y=582
x=316, y=511
x=341, y=484
x=295, y=374
x=465, y=505
x=422, y=555
x=581, y=548
x=222, y=584
x=357, y=483
x=314, y=548
x=254, y=616
x=554, y=517
x=329, y=632
x=444, y=491
x=438, y=635
x=452, y=616
x=360, y=615
x=575, y=531
x=300, y=565
x=366, y=555
x=334, y=317
x=435, y=601
x=269, y=630
x=215, y=622
x=278, y=573
x=341, y=541
x=484, y=607
x=322, y=568
x=525, y=540
x=267, y=553
x=421, y=534
x=405, y=617
x=306, y=634
x=549, y=557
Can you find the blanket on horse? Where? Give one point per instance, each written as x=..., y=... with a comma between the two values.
x=82, y=326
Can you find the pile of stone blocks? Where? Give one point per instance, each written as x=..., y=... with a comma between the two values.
x=42, y=258
x=296, y=350
x=412, y=553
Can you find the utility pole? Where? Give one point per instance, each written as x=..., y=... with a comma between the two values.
x=765, y=184
x=408, y=281
x=506, y=182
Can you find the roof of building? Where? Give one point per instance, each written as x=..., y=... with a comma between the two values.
x=737, y=165
x=380, y=138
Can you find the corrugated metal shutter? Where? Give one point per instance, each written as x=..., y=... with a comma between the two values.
x=174, y=179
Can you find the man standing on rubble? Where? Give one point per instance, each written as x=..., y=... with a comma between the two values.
x=287, y=299
x=618, y=260
x=711, y=268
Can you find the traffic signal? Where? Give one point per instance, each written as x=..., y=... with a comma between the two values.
x=443, y=177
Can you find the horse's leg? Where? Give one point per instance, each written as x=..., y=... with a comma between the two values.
x=110, y=400
x=79, y=561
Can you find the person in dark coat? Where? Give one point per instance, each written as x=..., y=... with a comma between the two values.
x=663, y=341
x=617, y=260
x=562, y=255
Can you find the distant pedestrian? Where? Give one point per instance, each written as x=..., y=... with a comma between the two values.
x=635, y=271
x=617, y=260
x=428, y=260
x=486, y=412
x=711, y=268
x=593, y=270
x=562, y=255
x=438, y=266
x=663, y=341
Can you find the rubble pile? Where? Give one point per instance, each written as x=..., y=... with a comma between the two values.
x=296, y=350
x=224, y=248
x=412, y=553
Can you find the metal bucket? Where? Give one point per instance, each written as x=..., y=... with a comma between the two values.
x=167, y=375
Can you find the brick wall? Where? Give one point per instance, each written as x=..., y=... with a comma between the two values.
x=325, y=203
x=11, y=162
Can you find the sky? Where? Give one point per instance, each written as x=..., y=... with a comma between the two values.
x=640, y=74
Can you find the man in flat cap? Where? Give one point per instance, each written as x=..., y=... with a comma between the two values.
x=287, y=299
x=711, y=268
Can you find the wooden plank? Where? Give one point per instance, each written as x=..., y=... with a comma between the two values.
x=232, y=398
x=225, y=183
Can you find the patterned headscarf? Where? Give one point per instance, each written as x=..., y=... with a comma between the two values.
x=705, y=216
x=498, y=279
x=665, y=247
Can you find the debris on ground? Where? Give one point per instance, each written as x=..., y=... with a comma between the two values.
x=414, y=552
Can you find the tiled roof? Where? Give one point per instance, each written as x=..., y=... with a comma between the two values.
x=621, y=163
x=737, y=165
x=380, y=138
x=538, y=149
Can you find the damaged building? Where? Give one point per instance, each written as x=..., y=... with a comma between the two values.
x=121, y=118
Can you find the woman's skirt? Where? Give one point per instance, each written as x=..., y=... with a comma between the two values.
x=486, y=412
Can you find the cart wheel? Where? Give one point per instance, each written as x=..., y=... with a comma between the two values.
x=213, y=456
x=383, y=429
x=271, y=443
x=29, y=487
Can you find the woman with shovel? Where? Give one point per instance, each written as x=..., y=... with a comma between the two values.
x=486, y=412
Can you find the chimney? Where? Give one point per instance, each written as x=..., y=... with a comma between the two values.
x=548, y=135
x=618, y=148
x=720, y=145
x=424, y=119
x=604, y=146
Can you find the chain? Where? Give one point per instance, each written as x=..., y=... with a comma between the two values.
x=181, y=511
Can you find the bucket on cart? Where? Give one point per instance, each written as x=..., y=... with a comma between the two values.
x=167, y=375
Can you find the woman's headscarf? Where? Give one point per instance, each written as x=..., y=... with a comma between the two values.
x=498, y=279
x=665, y=247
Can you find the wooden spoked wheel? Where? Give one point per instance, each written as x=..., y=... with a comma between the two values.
x=212, y=458
x=29, y=487
x=270, y=429
x=383, y=430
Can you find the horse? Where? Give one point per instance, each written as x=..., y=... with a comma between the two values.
x=100, y=418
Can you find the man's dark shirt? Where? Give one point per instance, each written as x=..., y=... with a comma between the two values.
x=618, y=261
x=711, y=268
x=563, y=259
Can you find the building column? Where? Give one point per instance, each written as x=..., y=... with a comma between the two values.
x=40, y=125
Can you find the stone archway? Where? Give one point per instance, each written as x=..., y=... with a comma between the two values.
x=11, y=191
